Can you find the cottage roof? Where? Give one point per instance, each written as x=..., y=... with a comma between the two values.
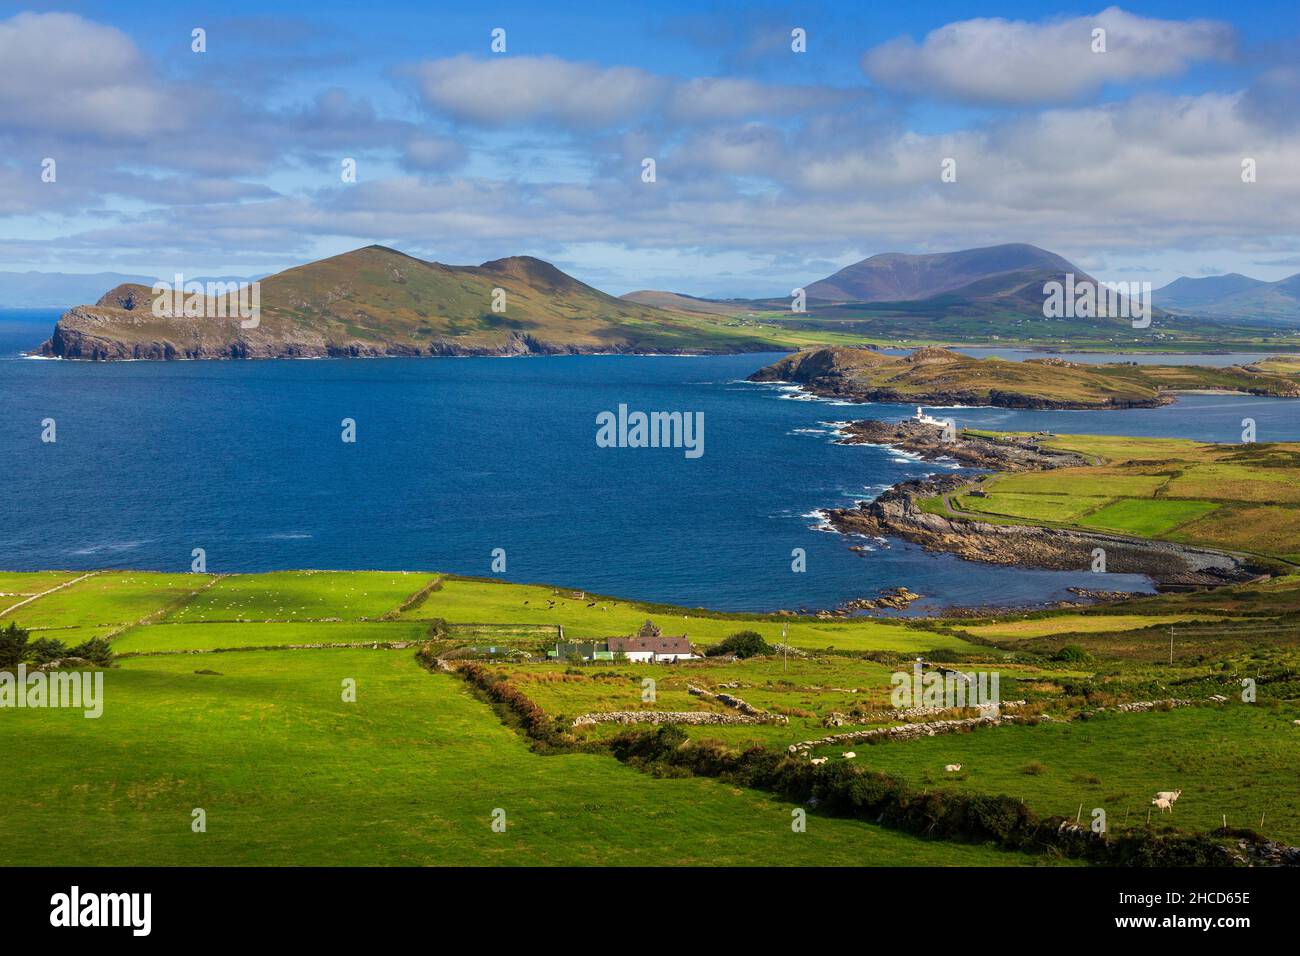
x=658, y=644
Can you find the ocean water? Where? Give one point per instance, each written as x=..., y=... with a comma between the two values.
x=457, y=457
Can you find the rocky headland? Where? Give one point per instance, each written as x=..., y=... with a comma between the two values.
x=898, y=513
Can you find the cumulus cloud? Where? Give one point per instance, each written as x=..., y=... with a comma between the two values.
x=749, y=172
x=527, y=89
x=547, y=90
x=61, y=72
x=992, y=60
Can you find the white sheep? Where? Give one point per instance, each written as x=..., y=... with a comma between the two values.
x=849, y=755
x=818, y=761
x=1163, y=804
x=1170, y=795
x=952, y=767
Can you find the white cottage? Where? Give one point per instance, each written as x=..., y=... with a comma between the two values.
x=650, y=646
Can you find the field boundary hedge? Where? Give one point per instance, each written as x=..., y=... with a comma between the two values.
x=842, y=789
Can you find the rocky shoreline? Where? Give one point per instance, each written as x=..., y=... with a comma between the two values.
x=929, y=443
x=898, y=513
x=79, y=341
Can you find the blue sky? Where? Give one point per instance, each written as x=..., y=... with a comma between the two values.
x=773, y=167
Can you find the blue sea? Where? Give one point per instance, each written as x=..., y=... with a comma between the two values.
x=457, y=457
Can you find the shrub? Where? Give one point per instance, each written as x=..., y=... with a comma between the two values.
x=742, y=644
x=96, y=650
x=1034, y=769
x=46, y=649
x=13, y=645
x=1071, y=653
x=513, y=702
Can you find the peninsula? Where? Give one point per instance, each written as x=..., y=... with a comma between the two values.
x=937, y=376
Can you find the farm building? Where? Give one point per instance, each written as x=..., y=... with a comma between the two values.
x=647, y=646
x=586, y=650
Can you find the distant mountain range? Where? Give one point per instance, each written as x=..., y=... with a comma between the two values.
x=1002, y=283
x=898, y=277
x=58, y=290
x=1234, y=296
x=378, y=301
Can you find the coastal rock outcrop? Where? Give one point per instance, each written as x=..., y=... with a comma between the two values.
x=897, y=513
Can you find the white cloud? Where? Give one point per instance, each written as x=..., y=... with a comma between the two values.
x=525, y=89
x=60, y=72
x=991, y=60
x=546, y=90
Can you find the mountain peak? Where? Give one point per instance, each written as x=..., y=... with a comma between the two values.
x=533, y=271
x=900, y=276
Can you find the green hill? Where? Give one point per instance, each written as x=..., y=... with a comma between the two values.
x=377, y=301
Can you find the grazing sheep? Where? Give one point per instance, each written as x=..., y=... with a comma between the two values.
x=818, y=761
x=1163, y=804
x=1170, y=795
x=849, y=755
x=952, y=767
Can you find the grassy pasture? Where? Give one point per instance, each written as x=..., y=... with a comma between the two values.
x=302, y=595
x=1238, y=760
x=465, y=600
x=409, y=774
x=805, y=691
x=1066, y=624
x=176, y=637
x=1031, y=507
x=1146, y=517
x=1242, y=497
x=1270, y=530
x=479, y=611
x=109, y=598
x=20, y=584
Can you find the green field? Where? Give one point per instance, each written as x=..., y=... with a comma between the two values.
x=1235, y=497
x=177, y=637
x=409, y=774
x=22, y=585
x=1236, y=760
x=466, y=600
x=1009, y=630
x=1147, y=518
x=107, y=598
x=302, y=595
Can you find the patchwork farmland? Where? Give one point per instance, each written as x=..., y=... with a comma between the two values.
x=229, y=694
